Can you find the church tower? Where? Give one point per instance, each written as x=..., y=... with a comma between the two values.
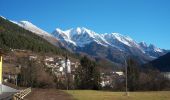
x=67, y=65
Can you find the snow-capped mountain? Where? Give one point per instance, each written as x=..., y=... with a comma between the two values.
x=79, y=37
x=80, y=40
x=152, y=50
x=82, y=36
x=151, y=47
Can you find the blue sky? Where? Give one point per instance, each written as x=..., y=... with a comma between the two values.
x=143, y=20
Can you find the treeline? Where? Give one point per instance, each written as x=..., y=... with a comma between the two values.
x=33, y=74
x=87, y=76
x=162, y=63
x=141, y=79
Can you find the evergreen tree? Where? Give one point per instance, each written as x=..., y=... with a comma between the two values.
x=132, y=74
x=87, y=75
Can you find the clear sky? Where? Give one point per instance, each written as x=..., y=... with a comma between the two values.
x=143, y=20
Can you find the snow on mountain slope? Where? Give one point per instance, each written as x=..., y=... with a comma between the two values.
x=63, y=36
x=38, y=31
x=80, y=37
x=151, y=47
x=3, y=17
x=154, y=48
x=143, y=45
x=118, y=37
x=31, y=27
x=121, y=41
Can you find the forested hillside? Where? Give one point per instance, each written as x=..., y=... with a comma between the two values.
x=14, y=37
x=162, y=63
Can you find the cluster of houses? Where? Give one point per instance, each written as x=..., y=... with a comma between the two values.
x=61, y=66
x=166, y=74
x=108, y=79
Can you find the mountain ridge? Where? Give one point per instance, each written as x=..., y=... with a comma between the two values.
x=79, y=37
x=82, y=30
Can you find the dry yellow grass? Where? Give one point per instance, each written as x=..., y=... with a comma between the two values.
x=102, y=95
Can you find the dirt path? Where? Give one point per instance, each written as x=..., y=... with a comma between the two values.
x=48, y=94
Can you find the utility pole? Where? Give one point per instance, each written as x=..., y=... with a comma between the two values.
x=68, y=81
x=66, y=71
x=125, y=62
x=16, y=80
x=127, y=94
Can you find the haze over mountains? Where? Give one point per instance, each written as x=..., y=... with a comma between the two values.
x=113, y=47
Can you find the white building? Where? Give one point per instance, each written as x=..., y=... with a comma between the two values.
x=166, y=74
x=50, y=59
x=61, y=69
x=62, y=62
x=104, y=83
x=67, y=65
x=32, y=57
x=119, y=73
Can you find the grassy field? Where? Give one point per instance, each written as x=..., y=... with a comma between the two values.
x=102, y=95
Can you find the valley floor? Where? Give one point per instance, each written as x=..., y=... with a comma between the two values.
x=102, y=95
x=48, y=94
x=53, y=94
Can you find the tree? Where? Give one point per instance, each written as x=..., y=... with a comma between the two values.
x=28, y=75
x=87, y=75
x=132, y=74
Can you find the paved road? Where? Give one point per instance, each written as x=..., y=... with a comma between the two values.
x=48, y=94
x=6, y=95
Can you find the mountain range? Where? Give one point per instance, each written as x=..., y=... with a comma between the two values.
x=111, y=47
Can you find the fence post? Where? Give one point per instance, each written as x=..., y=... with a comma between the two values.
x=20, y=95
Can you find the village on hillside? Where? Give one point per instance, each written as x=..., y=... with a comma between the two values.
x=57, y=66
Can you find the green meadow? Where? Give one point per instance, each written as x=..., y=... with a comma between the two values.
x=102, y=95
